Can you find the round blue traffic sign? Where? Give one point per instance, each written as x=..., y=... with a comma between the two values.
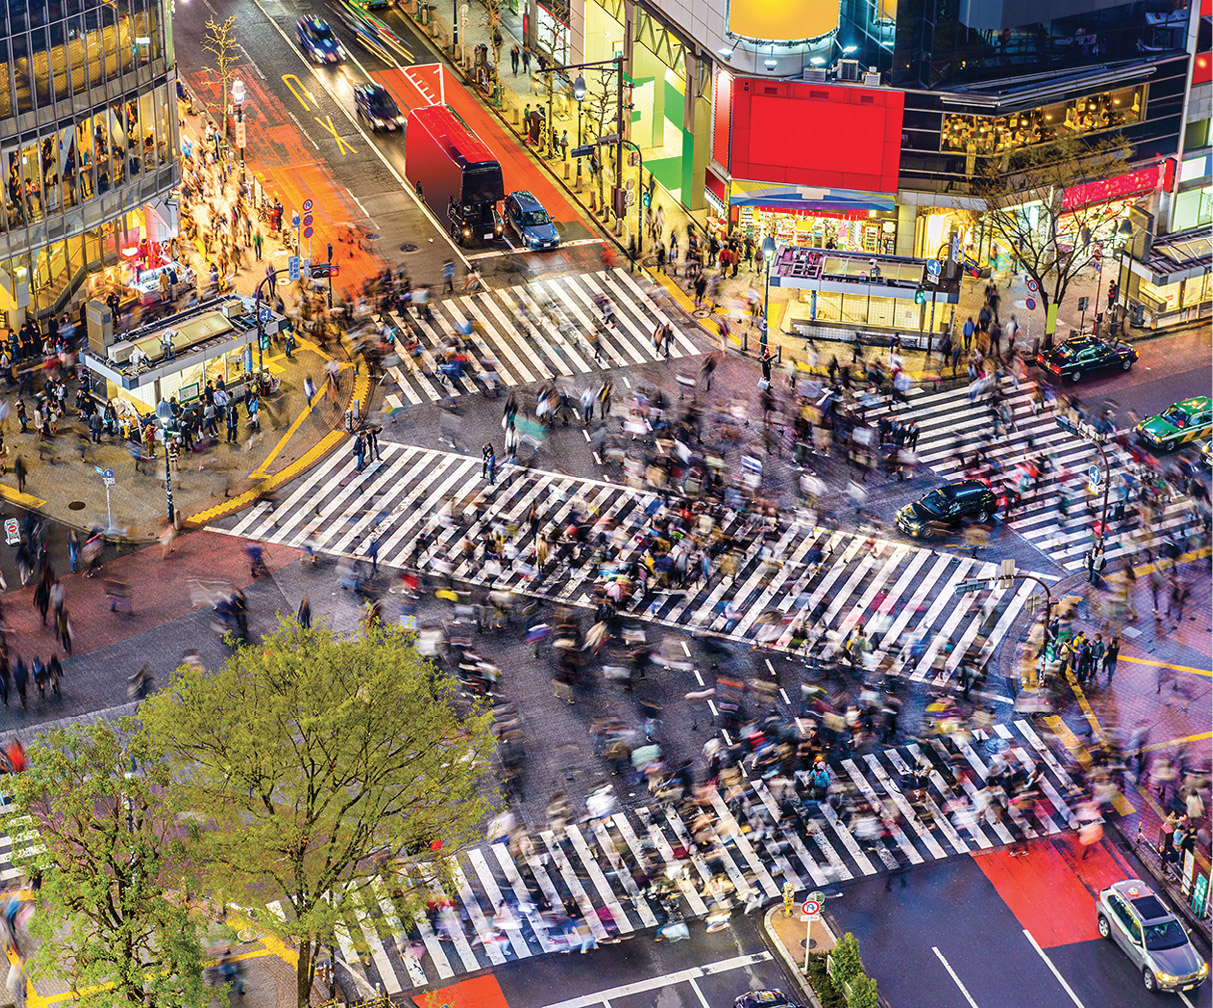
x=307, y=232
x=1031, y=303
x=307, y=220
x=307, y=205
x=1032, y=285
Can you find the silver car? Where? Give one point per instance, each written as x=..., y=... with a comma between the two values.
x=1151, y=936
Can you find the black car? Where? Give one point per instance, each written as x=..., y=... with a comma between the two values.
x=948, y=506
x=374, y=102
x=1083, y=354
x=765, y=999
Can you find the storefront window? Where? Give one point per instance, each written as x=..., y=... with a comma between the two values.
x=873, y=235
x=996, y=135
x=235, y=366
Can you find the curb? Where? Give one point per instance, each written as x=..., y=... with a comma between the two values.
x=772, y=940
x=360, y=391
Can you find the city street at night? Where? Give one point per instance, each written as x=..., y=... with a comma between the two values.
x=596, y=504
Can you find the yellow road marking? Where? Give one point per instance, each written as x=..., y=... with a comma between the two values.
x=362, y=391
x=304, y=342
x=1155, y=746
x=303, y=95
x=1183, y=558
x=1070, y=741
x=342, y=143
x=1160, y=664
x=17, y=497
x=261, y=471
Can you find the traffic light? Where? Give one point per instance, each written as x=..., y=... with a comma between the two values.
x=920, y=296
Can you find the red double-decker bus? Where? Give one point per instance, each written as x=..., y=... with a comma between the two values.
x=454, y=172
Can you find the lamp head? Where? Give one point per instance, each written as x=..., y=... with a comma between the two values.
x=579, y=88
x=768, y=246
x=238, y=91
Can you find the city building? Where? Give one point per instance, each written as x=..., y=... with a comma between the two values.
x=861, y=125
x=174, y=358
x=88, y=140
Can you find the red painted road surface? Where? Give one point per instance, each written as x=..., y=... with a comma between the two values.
x=423, y=85
x=478, y=992
x=1051, y=890
x=290, y=170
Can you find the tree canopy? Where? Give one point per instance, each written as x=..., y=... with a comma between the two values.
x=318, y=769
x=1024, y=197
x=112, y=915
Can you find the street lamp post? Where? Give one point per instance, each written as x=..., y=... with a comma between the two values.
x=579, y=95
x=615, y=65
x=238, y=95
x=768, y=254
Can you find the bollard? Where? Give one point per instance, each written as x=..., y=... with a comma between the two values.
x=566, y=171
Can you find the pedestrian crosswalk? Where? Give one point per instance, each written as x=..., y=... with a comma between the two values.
x=19, y=839
x=499, y=908
x=948, y=421
x=534, y=331
x=806, y=579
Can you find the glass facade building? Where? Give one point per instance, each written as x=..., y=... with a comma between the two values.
x=88, y=142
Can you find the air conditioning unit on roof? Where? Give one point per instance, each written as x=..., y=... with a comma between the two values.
x=848, y=70
x=817, y=75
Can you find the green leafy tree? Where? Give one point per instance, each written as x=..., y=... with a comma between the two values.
x=324, y=774
x=112, y=916
x=845, y=963
x=1023, y=196
x=863, y=993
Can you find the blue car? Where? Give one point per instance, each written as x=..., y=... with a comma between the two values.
x=374, y=102
x=534, y=227
x=318, y=41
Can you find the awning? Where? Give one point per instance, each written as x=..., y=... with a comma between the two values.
x=811, y=199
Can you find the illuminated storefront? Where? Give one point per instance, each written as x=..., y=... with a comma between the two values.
x=88, y=143
x=814, y=218
x=989, y=135
x=216, y=340
x=1167, y=281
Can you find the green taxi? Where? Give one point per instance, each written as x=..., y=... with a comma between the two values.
x=1178, y=424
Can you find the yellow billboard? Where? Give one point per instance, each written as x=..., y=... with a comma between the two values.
x=782, y=20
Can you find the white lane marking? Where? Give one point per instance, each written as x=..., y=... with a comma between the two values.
x=667, y=980
x=698, y=993
x=361, y=132
x=1053, y=969
x=955, y=979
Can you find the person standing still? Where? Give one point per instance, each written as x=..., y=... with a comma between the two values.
x=488, y=467
x=514, y=56
x=1110, y=656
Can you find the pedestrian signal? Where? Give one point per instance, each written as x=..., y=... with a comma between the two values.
x=920, y=296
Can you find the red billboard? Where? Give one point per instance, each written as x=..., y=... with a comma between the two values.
x=794, y=133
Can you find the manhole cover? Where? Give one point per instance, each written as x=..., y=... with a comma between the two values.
x=76, y=506
x=408, y=247
x=371, y=236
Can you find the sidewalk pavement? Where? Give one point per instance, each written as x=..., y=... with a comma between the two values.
x=62, y=482
x=266, y=975
x=787, y=935
x=521, y=90
x=1162, y=684
x=158, y=589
